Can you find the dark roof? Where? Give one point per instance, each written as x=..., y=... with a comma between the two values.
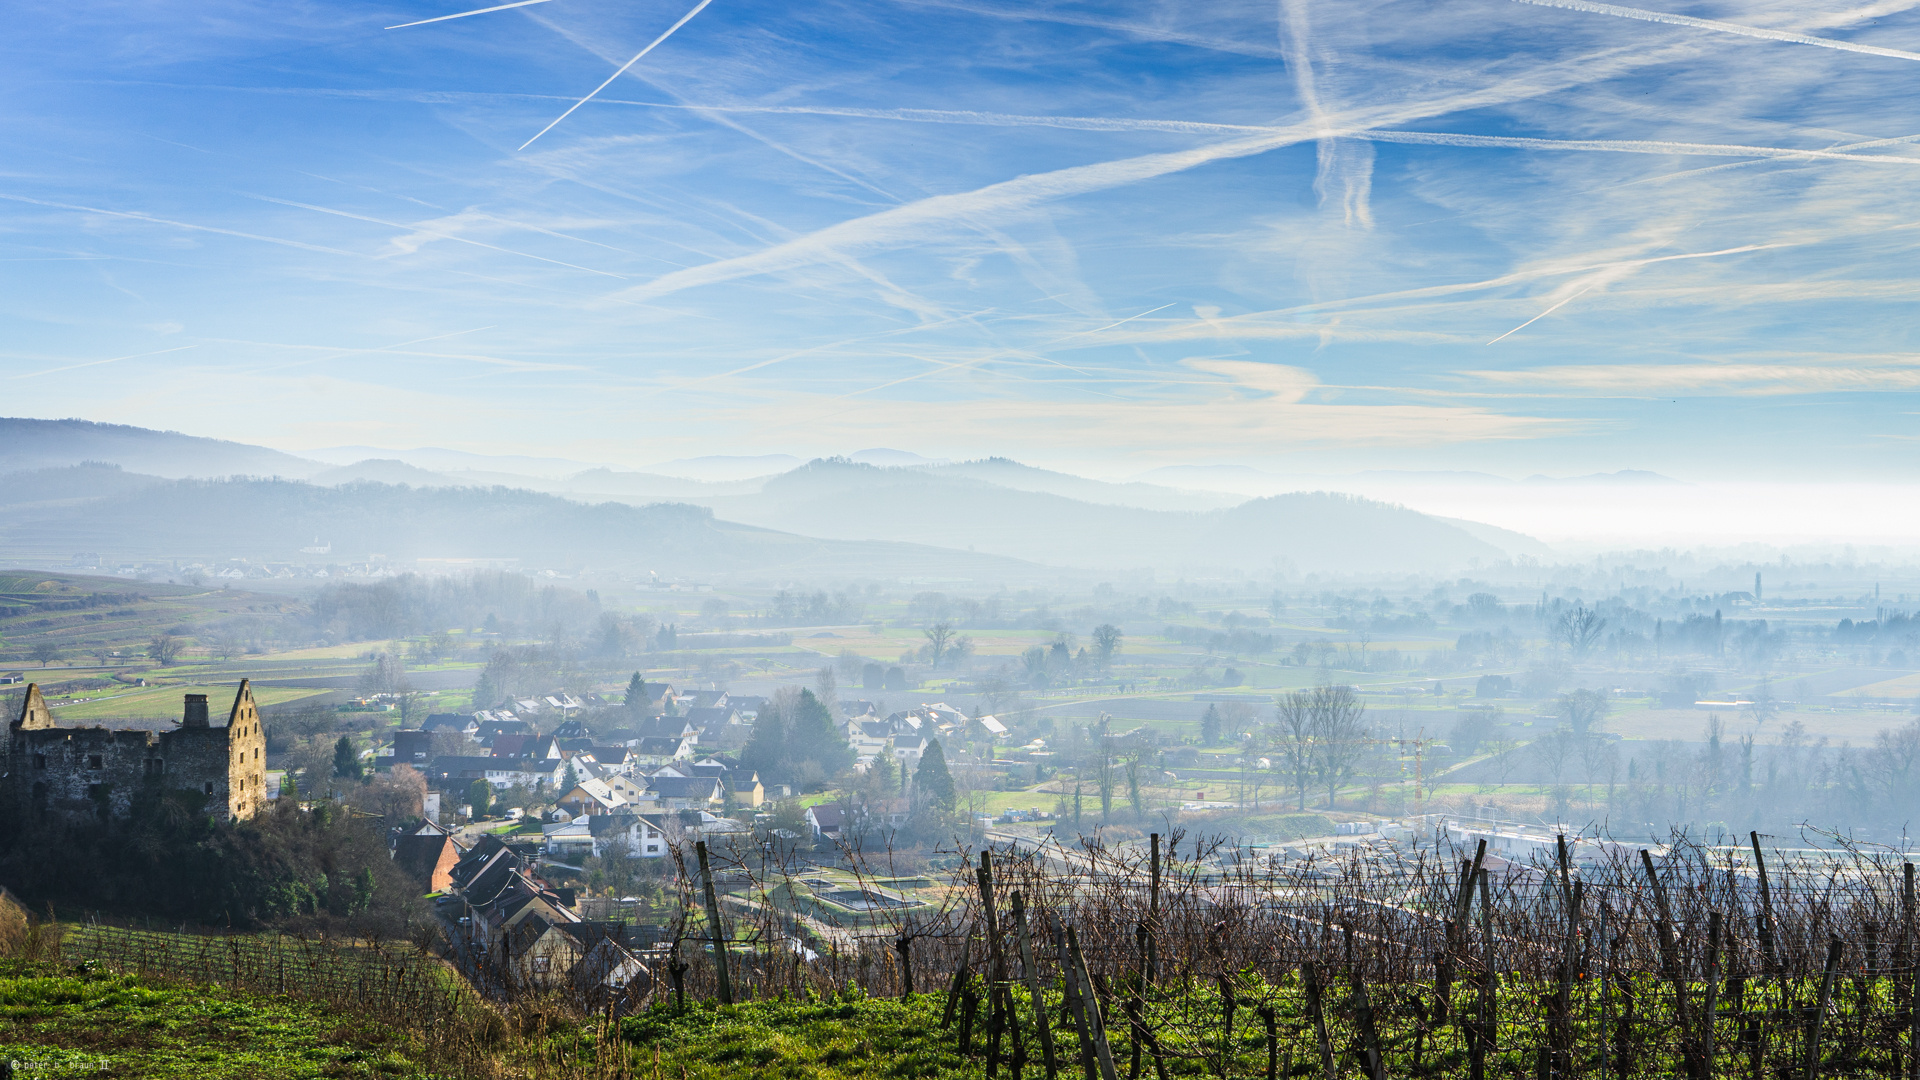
x=706, y=699
x=418, y=855
x=704, y=718
x=667, y=726
x=456, y=720
x=667, y=746
x=683, y=787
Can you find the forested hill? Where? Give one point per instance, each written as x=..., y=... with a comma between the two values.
x=40, y=444
x=126, y=518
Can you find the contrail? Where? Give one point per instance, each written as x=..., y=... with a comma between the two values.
x=456, y=238
x=697, y=9
x=133, y=215
x=464, y=14
x=1722, y=27
x=1550, y=310
x=1625, y=146
x=94, y=363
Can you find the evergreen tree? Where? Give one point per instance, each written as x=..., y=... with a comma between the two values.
x=931, y=781
x=346, y=760
x=485, y=694
x=766, y=749
x=480, y=795
x=636, y=700
x=812, y=735
x=1210, y=726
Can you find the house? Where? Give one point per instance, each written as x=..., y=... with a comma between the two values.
x=655, y=752
x=667, y=727
x=643, y=835
x=570, y=729
x=590, y=797
x=429, y=857
x=487, y=731
x=464, y=723
x=614, y=759
x=688, y=792
x=907, y=750
x=747, y=789
x=633, y=789
x=458, y=772
x=859, y=710
x=709, y=721
x=706, y=699
x=655, y=698
x=866, y=739
x=826, y=820
x=835, y=821
x=608, y=969
x=748, y=706
x=412, y=747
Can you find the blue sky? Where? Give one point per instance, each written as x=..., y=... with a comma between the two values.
x=1307, y=236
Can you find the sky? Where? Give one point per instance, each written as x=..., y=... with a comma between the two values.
x=1510, y=236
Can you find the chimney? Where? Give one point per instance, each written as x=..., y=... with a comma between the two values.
x=196, y=711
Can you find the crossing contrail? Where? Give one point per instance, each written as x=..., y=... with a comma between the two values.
x=697, y=9
x=1722, y=27
x=464, y=14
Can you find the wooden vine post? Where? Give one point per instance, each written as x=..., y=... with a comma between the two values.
x=1032, y=974
x=717, y=933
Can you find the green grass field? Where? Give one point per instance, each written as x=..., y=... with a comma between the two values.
x=69, y=1023
x=164, y=702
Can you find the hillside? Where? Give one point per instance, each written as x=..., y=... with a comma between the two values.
x=271, y=520
x=1305, y=532
x=41, y=444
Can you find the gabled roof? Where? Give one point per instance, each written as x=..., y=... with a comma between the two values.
x=706, y=718
x=686, y=787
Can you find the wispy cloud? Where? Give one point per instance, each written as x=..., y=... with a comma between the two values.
x=1722, y=27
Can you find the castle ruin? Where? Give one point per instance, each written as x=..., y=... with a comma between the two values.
x=96, y=771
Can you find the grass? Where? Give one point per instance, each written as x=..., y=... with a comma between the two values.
x=74, y=1022
x=836, y=1040
x=164, y=702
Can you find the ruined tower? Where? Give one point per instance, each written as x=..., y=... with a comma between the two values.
x=80, y=772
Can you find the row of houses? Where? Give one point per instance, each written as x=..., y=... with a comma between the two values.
x=511, y=928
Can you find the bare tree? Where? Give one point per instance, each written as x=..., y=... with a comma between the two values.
x=939, y=636
x=1293, y=740
x=1764, y=705
x=1582, y=709
x=164, y=649
x=1338, y=735
x=1580, y=629
x=1895, y=760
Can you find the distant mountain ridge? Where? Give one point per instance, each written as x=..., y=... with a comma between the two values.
x=44, y=444
x=131, y=518
x=993, y=512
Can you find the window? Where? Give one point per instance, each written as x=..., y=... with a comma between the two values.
x=39, y=761
x=93, y=761
x=155, y=766
x=542, y=963
x=209, y=787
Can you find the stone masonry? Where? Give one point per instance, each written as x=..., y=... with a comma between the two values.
x=95, y=771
